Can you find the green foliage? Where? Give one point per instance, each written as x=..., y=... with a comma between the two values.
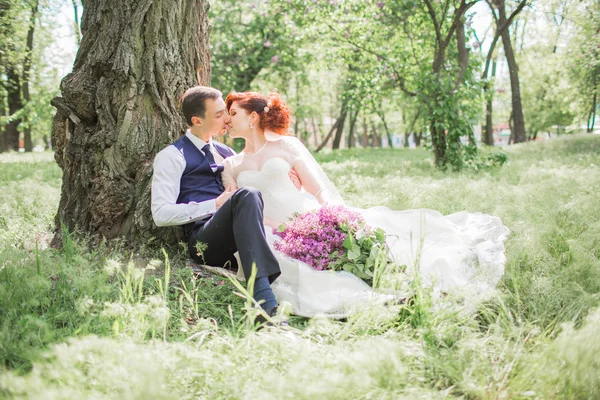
x=385, y=61
x=249, y=38
x=365, y=252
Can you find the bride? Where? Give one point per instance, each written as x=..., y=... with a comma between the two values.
x=460, y=254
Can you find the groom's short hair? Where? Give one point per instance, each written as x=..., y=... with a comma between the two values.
x=193, y=101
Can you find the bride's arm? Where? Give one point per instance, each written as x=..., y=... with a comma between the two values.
x=310, y=182
x=227, y=175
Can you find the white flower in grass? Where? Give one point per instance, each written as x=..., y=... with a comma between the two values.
x=85, y=305
x=112, y=267
x=153, y=264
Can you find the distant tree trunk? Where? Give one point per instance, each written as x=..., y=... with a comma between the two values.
x=418, y=137
x=365, y=137
x=534, y=135
x=333, y=128
x=316, y=134
x=385, y=127
x=592, y=118
x=511, y=138
x=513, y=70
x=501, y=28
x=376, y=138
x=411, y=129
x=2, y=127
x=353, y=117
x=119, y=108
x=15, y=103
x=340, y=127
x=487, y=132
x=4, y=28
x=28, y=143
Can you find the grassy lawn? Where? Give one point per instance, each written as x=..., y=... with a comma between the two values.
x=81, y=323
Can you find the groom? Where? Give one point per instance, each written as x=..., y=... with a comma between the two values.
x=187, y=190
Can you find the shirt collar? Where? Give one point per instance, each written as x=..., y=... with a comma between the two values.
x=199, y=143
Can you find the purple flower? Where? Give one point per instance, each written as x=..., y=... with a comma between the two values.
x=313, y=237
x=380, y=4
x=267, y=43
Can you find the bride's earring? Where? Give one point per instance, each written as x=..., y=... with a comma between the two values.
x=251, y=126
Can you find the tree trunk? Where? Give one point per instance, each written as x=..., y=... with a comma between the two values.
x=315, y=130
x=15, y=103
x=119, y=108
x=376, y=138
x=2, y=115
x=411, y=129
x=513, y=70
x=324, y=142
x=592, y=118
x=511, y=138
x=438, y=129
x=418, y=137
x=488, y=130
x=353, y=117
x=340, y=127
x=385, y=127
x=438, y=136
x=534, y=135
x=28, y=143
x=365, y=137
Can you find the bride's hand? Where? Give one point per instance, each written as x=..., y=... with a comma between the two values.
x=295, y=179
x=226, y=195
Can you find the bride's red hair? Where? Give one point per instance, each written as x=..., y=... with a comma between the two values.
x=278, y=119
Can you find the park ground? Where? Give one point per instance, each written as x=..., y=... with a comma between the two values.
x=97, y=323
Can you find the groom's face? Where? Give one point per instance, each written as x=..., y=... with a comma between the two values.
x=216, y=120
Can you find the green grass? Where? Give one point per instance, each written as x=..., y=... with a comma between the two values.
x=77, y=323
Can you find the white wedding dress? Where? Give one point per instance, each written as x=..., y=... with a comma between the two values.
x=459, y=255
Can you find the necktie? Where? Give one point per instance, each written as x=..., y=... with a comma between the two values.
x=213, y=164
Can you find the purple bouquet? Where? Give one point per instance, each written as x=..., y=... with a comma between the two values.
x=333, y=237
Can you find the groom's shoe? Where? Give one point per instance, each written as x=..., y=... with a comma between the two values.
x=272, y=313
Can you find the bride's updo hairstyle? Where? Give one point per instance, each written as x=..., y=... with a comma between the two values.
x=274, y=113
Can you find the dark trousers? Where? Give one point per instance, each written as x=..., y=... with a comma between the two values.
x=236, y=226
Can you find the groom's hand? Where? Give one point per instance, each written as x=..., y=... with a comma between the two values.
x=294, y=178
x=224, y=196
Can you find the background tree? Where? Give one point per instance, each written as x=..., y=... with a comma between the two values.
x=499, y=12
x=118, y=108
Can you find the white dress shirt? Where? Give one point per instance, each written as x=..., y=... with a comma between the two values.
x=169, y=165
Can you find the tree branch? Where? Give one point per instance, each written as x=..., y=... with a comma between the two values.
x=499, y=32
x=401, y=80
x=436, y=24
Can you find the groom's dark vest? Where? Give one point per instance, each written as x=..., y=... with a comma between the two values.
x=198, y=181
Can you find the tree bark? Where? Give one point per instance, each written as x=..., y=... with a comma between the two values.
x=385, y=127
x=376, y=138
x=15, y=103
x=340, y=127
x=351, y=134
x=592, y=118
x=365, y=137
x=488, y=130
x=316, y=134
x=28, y=143
x=513, y=70
x=418, y=137
x=119, y=108
x=333, y=128
x=2, y=115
